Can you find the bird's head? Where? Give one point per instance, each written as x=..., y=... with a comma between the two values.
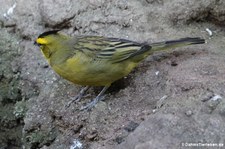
x=47, y=38
x=50, y=41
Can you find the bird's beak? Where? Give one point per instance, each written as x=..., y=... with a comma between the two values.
x=36, y=44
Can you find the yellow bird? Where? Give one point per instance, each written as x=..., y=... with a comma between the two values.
x=97, y=60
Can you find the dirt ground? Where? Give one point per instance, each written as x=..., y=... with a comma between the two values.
x=173, y=99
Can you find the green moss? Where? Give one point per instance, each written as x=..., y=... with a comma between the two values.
x=39, y=138
x=20, y=109
x=11, y=126
x=9, y=51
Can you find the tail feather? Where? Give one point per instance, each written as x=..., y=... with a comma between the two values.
x=148, y=49
x=188, y=40
x=176, y=43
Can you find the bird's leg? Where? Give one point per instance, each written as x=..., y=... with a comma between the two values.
x=79, y=96
x=95, y=100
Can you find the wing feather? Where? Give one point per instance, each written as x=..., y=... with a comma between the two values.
x=111, y=49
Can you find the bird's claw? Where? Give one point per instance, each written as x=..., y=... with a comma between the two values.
x=92, y=104
x=75, y=99
x=88, y=106
x=78, y=97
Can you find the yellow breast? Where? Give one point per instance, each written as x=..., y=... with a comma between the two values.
x=84, y=71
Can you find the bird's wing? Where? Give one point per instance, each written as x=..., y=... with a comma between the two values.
x=111, y=49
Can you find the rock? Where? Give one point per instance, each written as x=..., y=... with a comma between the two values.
x=166, y=131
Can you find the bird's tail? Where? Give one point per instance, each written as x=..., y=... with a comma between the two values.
x=161, y=46
x=176, y=43
x=148, y=49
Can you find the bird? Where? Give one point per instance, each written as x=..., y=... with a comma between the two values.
x=98, y=60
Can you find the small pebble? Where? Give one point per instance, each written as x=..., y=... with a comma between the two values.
x=91, y=137
x=76, y=145
x=209, y=32
x=119, y=140
x=207, y=96
x=189, y=113
x=216, y=97
x=173, y=63
x=131, y=126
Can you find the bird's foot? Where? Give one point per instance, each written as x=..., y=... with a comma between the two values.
x=92, y=104
x=78, y=97
x=74, y=99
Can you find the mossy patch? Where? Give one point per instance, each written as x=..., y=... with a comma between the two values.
x=11, y=125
